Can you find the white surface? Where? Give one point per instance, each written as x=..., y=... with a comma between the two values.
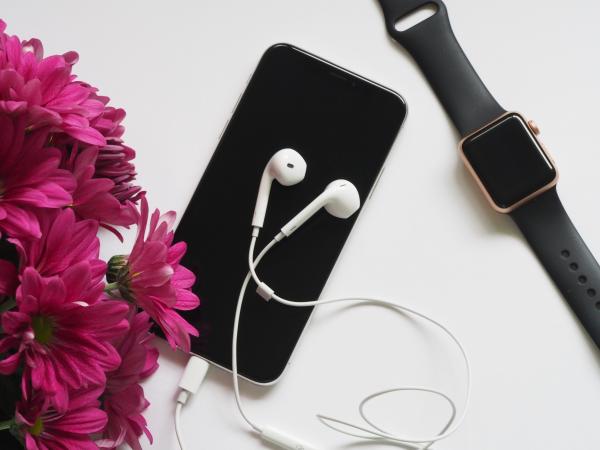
x=426, y=238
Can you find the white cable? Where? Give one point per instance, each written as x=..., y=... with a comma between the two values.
x=236, y=323
x=178, y=426
x=375, y=432
x=189, y=383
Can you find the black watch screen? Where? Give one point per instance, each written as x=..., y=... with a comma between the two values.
x=508, y=161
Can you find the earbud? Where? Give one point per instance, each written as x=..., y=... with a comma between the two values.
x=286, y=166
x=340, y=199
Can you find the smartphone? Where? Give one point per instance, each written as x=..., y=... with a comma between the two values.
x=344, y=126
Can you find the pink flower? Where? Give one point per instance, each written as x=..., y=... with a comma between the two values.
x=64, y=243
x=30, y=179
x=123, y=399
x=92, y=198
x=152, y=277
x=63, y=342
x=45, y=428
x=45, y=89
x=114, y=159
x=8, y=278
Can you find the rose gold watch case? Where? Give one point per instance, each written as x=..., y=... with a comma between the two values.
x=534, y=132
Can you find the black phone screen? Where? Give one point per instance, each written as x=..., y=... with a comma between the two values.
x=344, y=126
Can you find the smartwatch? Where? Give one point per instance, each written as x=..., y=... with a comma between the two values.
x=503, y=153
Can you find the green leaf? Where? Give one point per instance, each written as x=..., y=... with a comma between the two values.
x=7, y=305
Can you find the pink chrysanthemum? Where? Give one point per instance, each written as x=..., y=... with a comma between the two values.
x=45, y=90
x=30, y=179
x=63, y=342
x=152, y=277
x=93, y=198
x=114, y=159
x=64, y=243
x=45, y=428
x=123, y=399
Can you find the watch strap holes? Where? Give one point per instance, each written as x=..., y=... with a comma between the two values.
x=582, y=279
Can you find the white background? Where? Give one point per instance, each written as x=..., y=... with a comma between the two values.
x=427, y=237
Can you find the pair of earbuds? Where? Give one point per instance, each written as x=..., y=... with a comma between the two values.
x=340, y=198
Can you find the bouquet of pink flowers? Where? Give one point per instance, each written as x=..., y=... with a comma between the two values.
x=75, y=337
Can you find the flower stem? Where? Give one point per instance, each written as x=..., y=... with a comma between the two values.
x=6, y=424
x=111, y=287
x=8, y=304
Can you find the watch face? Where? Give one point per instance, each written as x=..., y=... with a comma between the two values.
x=508, y=160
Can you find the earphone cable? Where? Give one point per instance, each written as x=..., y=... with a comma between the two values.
x=375, y=432
x=178, y=431
x=236, y=323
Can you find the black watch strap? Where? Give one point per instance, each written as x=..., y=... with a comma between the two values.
x=435, y=49
x=561, y=250
x=543, y=220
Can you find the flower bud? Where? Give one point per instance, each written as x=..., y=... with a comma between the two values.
x=117, y=268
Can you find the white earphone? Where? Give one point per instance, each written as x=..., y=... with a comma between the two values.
x=288, y=168
x=341, y=199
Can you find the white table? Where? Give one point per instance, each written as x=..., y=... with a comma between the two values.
x=426, y=238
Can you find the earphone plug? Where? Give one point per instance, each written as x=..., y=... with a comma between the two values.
x=192, y=377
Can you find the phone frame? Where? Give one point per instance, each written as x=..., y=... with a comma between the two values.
x=352, y=76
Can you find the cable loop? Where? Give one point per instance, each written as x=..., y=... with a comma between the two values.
x=375, y=432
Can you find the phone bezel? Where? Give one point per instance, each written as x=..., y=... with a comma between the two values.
x=350, y=77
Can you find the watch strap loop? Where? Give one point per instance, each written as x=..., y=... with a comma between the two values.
x=434, y=47
x=394, y=10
